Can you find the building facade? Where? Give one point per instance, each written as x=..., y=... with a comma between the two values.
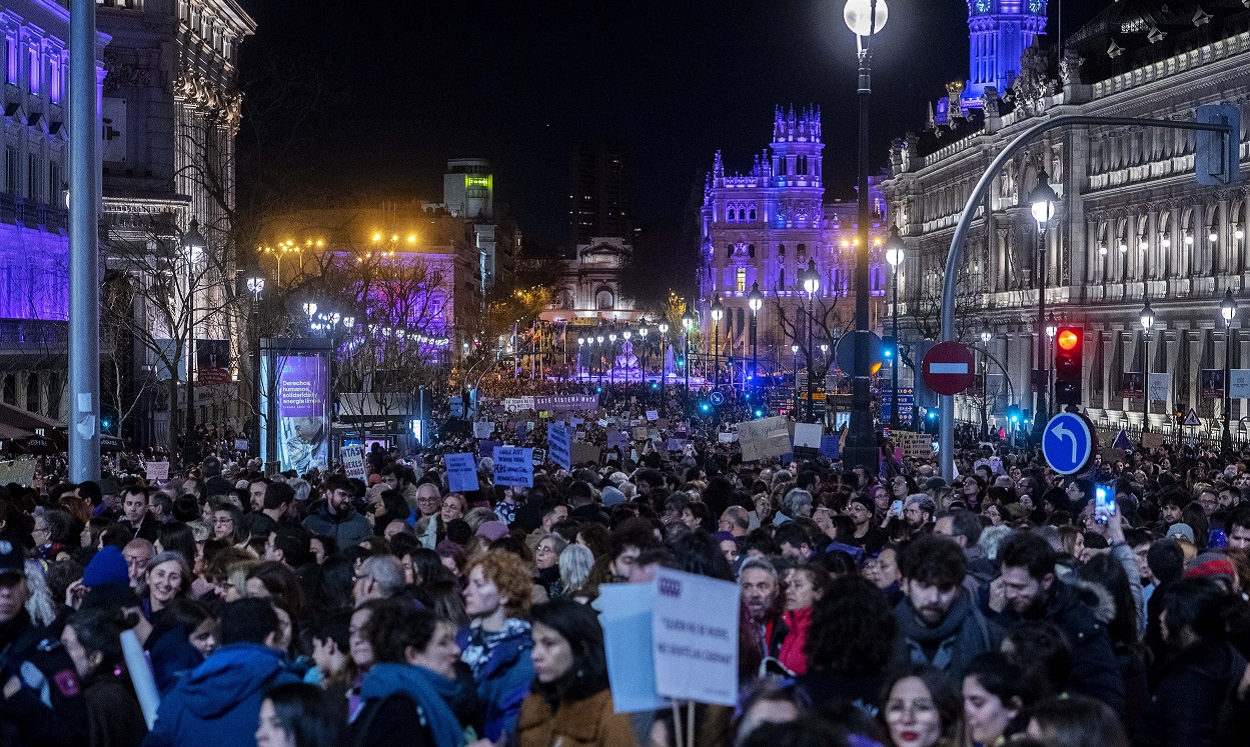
x=172, y=110
x=1132, y=222
x=764, y=227
x=589, y=287
x=34, y=243
x=599, y=184
x=469, y=194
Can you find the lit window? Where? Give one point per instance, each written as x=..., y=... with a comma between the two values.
x=742, y=279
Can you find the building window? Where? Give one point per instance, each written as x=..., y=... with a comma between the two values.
x=729, y=250
x=752, y=214
x=751, y=251
x=781, y=250
x=742, y=215
x=781, y=278
x=34, y=72
x=54, y=183
x=742, y=279
x=55, y=82
x=10, y=169
x=10, y=61
x=32, y=176
x=729, y=215
x=802, y=252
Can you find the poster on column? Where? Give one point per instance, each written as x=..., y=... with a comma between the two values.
x=303, y=395
x=1159, y=385
x=514, y=466
x=1212, y=382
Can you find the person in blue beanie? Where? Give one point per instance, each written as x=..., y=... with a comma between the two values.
x=217, y=704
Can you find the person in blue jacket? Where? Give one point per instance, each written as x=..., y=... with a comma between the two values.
x=217, y=704
x=497, y=641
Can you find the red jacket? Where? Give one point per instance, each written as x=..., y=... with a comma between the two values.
x=792, y=656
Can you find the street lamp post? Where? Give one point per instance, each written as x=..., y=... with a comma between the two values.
x=865, y=18
x=794, y=350
x=255, y=286
x=598, y=357
x=718, y=311
x=687, y=321
x=629, y=372
x=194, y=244
x=811, y=284
x=1147, y=324
x=581, y=358
x=663, y=367
x=1052, y=329
x=1228, y=310
x=612, y=357
x=986, y=335
x=755, y=300
x=1042, y=201
x=894, y=256
x=643, y=331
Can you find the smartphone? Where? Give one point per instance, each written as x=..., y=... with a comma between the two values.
x=896, y=508
x=1104, y=504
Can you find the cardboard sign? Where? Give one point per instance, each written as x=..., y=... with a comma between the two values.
x=156, y=471
x=694, y=629
x=1111, y=455
x=914, y=445
x=354, y=462
x=462, y=472
x=22, y=472
x=514, y=466
x=764, y=438
x=807, y=435
x=640, y=433
x=582, y=453
x=1152, y=440
x=560, y=445
x=617, y=439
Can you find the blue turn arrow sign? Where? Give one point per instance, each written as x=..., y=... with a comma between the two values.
x=1068, y=443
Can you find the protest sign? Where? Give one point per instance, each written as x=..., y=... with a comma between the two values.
x=517, y=404
x=1239, y=383
x=617, y=439
x=582, y=453
x=694, y=627
x=576, y=421
x=487, y=448
x=830, y=446
x=602, y=422
x=462, y=472
x=653, y=415
x=483, y=429
x=676, y=444
x=156, y=471
x=560, y=445
x=354, y=462
x=514, y=466
x=808, y=435
x=764, y=438
x=1152, y=440
x=1159, y=385
x=640, y=433
x=22, y=472
x=567, y=402
x=627, y=645
x=914, y=445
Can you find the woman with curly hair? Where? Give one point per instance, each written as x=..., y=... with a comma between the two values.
x=497, y=641
x=849, y=645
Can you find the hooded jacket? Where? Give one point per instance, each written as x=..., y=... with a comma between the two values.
x=952, y=643
x=348, y=528
x=217, y=704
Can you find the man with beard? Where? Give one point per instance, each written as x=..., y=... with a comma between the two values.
x=938, y=623
x=1028, y=589
x=761, y=588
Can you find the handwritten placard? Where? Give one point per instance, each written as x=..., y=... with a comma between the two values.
x=462, y=472
x=514, y=466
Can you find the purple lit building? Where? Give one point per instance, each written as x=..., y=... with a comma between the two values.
x=34, y=245
x=764, y=227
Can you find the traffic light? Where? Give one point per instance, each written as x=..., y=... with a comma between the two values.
x=889, y=347
x=1180, y=415
x=1014, y=414
x=1069, y=347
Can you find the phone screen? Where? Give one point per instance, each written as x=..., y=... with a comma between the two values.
x=1104, y=504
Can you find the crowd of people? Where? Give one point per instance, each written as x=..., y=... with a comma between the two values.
x=880, y=606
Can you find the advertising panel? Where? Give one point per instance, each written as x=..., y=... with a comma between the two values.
x=303, y=399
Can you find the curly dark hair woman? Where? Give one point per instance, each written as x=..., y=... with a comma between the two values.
x=849, y=645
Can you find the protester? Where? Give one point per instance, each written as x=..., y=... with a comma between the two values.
x=295, y=715
x=923, y=708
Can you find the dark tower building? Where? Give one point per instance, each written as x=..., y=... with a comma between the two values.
x=598, y=191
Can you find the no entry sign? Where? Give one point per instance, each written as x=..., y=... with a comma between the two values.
x=948, y=368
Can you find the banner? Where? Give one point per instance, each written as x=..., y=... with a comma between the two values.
x=560, y=445
x=1131, y=384
x=212, y=361
x=764, y=438
x=1160, y=383
x=517, y=404
x=514, y=466
x=1239, y=383
x=354, y=462
x=1212, y=382
x=462, y=472
x=304, y=412
x=694, y=628
x=566, y=402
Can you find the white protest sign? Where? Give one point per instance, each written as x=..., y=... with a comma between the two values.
x=514, y=466
x=727, y=438
x=354, y=462
x=694, y=629
x=808, y=435
x=156, y=471
x=21, y=471
x=560, y=445
x=764, y=438
x=653, y=415
x=483, y=429
x=517, y=404
x=461, y=472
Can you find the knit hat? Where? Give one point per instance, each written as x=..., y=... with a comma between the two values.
x=1182, y=530
x=108, y=566
x=1209, y=565
x=492, y=530
x=612, y=497
x=449, y=549
x=616, y=478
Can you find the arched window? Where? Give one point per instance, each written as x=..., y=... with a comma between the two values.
x=751, y=251
x=566, y=299
x=781, y=250
x=752, y=214
x=605, y=299
x=802, y=252
x=742, y=215
x=729, y=215
x=781, y=278
x=729, y=250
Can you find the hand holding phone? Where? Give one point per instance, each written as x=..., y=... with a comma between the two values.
x=896, y=509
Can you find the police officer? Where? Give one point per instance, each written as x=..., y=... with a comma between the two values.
x=41, y=700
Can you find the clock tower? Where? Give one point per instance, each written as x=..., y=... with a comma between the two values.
x=999, y=32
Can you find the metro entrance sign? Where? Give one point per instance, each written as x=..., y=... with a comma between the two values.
x=948, y=368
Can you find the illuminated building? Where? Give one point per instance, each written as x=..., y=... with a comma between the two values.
x=469, y=194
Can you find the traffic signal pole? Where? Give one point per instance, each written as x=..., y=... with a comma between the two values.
x=959, y=239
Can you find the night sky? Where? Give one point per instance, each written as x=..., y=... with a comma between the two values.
x=416, y=83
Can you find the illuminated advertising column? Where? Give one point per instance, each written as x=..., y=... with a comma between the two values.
x=296, y=405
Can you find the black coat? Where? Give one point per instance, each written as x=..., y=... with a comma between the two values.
x=24, y=719
x=1193, y=686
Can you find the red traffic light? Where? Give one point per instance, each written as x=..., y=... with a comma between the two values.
x=1068, y=339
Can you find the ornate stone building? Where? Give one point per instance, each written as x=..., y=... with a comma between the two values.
x=764, y=227
x=172, y=110
x=1132, y=221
